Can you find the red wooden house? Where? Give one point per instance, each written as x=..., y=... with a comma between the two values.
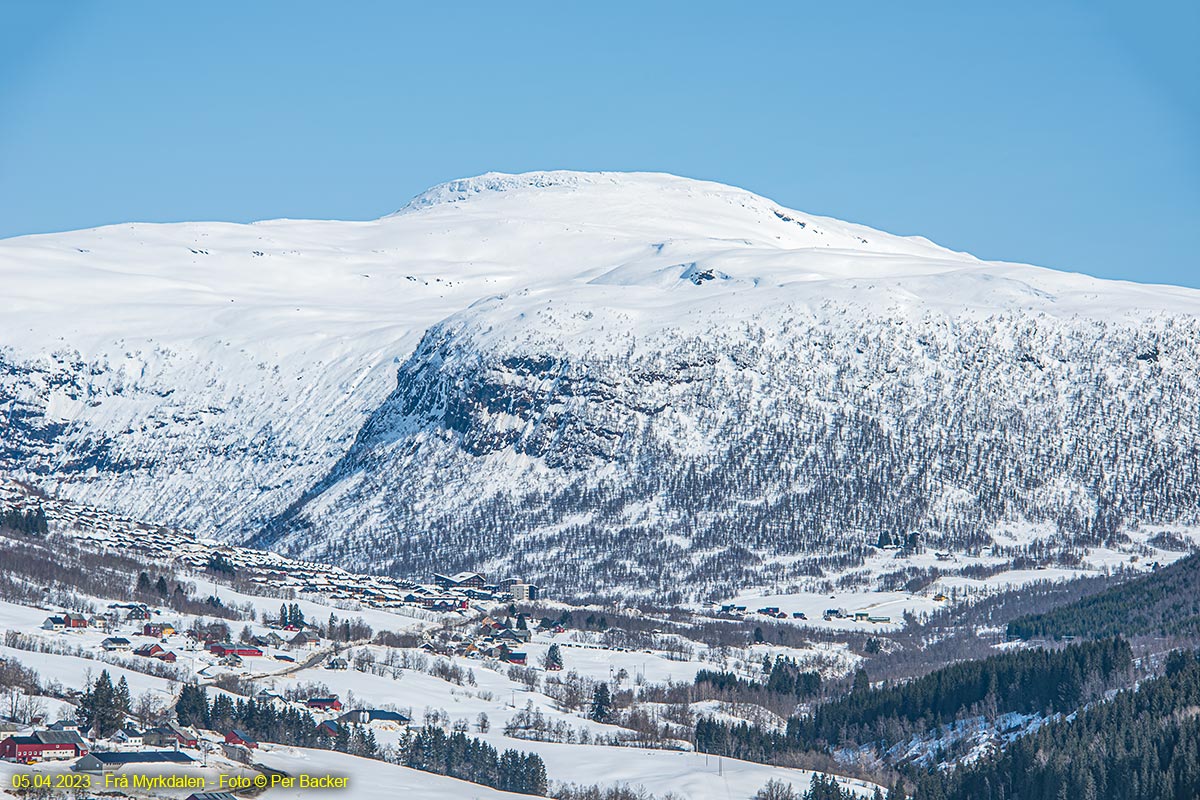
x=228, y=649
x=238, y=736
x=325, y=703
x=43, y=746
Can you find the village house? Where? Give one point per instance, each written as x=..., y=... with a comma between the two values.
x=57, y=622
x=513, y=635
x=524, y=592
x=461, y=580
x=149, y=650
x=306, y=640
x=169, y=735
x=272, y=639
x=43, y=745
x=230, y=649
x=324, y=703
x=238, y=736
x=128, y=738
x=364, y=716
x=110, y=762
x=116, y=643
x=237, y=752
x=158, y=629
x=272, y=699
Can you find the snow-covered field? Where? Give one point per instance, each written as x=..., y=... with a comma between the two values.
x=1139, y=556
x=488, y=691
x=368, y=779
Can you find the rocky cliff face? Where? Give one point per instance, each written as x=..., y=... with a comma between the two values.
x=766, y=451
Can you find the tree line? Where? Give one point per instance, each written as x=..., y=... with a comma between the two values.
x=1028, y=681
x=1165, y=602
x=431, y=749
x=31, y=522
x=781, y=676
x=262, y=720
x=1032, y=680
x=104, y=706
x=460, y=756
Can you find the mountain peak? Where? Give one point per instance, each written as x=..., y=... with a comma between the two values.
x=491, y=183
x=661, y=206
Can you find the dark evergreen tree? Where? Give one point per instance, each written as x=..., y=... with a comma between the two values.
x=601, y=709
x=99, y=710
x=554, y=658
x=192, y=706
x=121, y=697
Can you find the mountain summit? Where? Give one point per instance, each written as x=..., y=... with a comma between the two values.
x=599, y=379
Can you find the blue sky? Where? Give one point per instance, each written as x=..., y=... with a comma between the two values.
x=1063, y=134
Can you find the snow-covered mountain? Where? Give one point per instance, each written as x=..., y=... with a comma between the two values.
x=594, y=379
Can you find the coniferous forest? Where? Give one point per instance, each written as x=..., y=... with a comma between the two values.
x=1023, y=681
x=1141, y=745
x=1163, y=603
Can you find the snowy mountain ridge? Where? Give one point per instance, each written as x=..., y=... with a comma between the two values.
x=562, y=372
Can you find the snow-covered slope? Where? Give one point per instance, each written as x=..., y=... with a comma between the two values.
x=593, y=378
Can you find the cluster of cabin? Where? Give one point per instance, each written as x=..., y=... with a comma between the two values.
x=166, y=744
x=137, y=630
x=770, y=612
x=334, y=717
x=63, y=741
x=774, y=612
x=447, y=593
x=492, y=638
x=857, y=616
x=116, y=614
